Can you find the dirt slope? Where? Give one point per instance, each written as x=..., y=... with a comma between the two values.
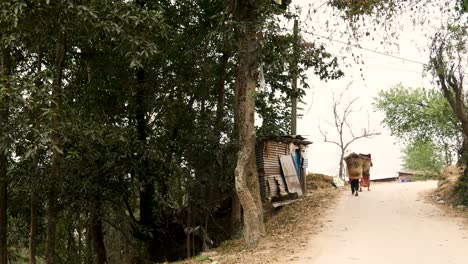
x=288, y=229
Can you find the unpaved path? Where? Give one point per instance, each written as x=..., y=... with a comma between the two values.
x=390, y=224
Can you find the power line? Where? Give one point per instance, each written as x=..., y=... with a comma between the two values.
x=370, y=50
x=322, y=4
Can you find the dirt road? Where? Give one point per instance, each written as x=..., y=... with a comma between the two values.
x=390, y=224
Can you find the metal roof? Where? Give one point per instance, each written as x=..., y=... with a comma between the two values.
x=297, y=139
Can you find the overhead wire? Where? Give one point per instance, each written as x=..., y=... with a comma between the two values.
x=322, y=4
x=367, y=49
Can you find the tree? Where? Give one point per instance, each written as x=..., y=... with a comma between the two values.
x=246, y=177
x=277, y=55
x=121, y=122
x=420, y=115
x=448, y=65
x=424, y=156
x=5, y=72
x=345, y=132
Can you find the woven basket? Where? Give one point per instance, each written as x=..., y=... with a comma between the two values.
x=354, y=166
x=366, y=164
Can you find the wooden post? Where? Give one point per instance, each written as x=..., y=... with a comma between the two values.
x=294, y=73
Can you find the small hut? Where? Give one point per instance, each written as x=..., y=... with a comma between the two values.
x=282, y=163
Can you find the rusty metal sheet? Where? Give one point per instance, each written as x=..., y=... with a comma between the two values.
x=281, y=185
x=272, y=163
x=290, y=174
x=273, y=189
x=272, y=171
x=277, y=186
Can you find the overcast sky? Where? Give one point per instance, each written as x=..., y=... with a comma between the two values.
x=381, y=72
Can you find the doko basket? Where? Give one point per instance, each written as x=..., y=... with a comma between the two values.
x=354, y=164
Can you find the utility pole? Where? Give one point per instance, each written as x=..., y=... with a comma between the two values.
x=294, y=73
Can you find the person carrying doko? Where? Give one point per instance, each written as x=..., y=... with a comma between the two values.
x=354, y=171
x=366, y=164
x=358, y=168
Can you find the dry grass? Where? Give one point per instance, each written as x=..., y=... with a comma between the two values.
x=288, y=229
x=444, y=196
x=447, y=180
x=318, y=181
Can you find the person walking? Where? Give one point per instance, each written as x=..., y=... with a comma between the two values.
x=354, y=171
x=366, y=164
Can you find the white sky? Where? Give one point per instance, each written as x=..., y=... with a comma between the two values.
x=380, y=73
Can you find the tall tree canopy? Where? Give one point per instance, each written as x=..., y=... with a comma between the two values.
x=423, y=156
x=119, y=133
x=420, y=115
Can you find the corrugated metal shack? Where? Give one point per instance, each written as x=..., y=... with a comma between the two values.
x=281, y=164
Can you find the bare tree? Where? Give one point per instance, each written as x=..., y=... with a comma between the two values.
x=346, y=135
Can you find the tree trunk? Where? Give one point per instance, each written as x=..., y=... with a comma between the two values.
x=188, y=232
x=57, y=148
x=236, y=216
x=34, y=225
x=3, y=206
x=246, y=176
x=219, y=125
x=5, y=72
x=97, y=234
x=147, y=190
x=462, y=185
x=340, y=173
x=140, y=110
x=236, y=209
x=452, y=88
x=36, y=175
x=89, y=244
x=461, y=152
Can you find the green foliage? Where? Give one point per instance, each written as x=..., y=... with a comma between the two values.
x=281, y=5
x=462, y=6
x=419, y=115
x=447, y=64
x=379, y=10
x=357, y=8
x=461, y=189
x=424, y=156
x=18, y=255
x=147, y=109
x=279, y=58
x=275, y=114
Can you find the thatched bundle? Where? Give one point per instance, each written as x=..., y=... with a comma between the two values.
x=354, y=165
